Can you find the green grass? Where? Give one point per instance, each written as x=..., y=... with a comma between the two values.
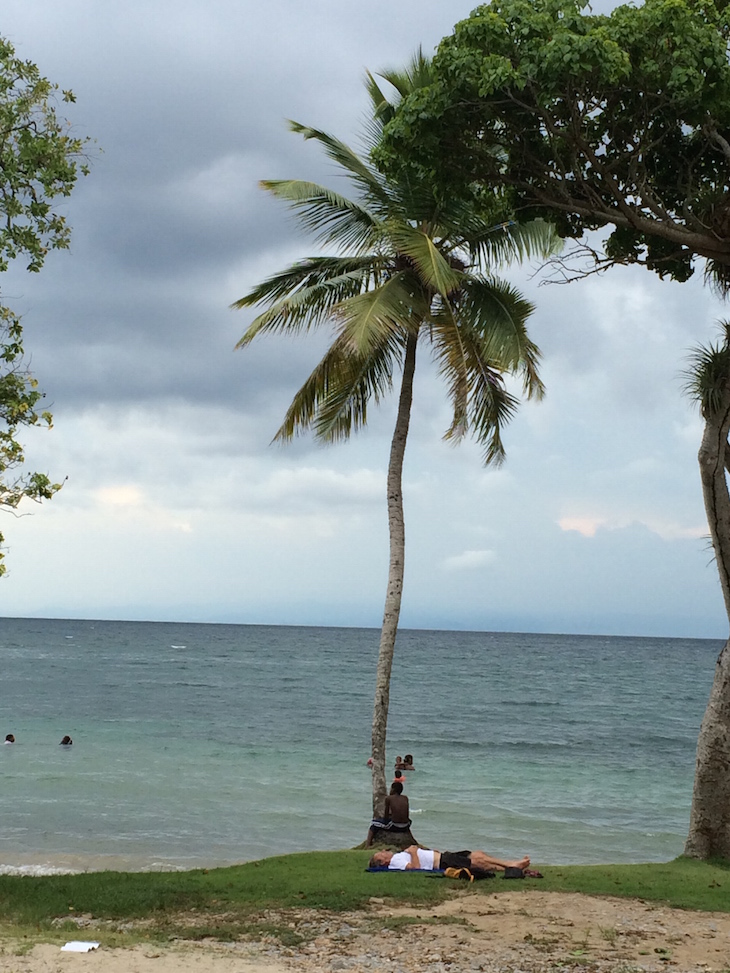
x=228, y=903
x=683, y=883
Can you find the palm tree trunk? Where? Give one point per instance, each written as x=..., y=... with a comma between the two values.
x=391, y=612
x=709, y=826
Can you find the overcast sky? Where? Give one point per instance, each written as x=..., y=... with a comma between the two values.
x=176, y=505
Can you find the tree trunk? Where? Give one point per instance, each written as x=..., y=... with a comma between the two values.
x=391, y=612
x=709, y=822
x=709, y=826
x=393, y=839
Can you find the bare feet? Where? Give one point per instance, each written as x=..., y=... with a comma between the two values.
x=522, y=863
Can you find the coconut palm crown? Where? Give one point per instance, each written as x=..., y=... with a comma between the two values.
x=400, y=269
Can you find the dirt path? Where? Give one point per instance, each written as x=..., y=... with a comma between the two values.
x=528, y=931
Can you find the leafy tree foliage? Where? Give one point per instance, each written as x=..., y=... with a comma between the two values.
x=405, y=269
x=39, y=161
x=619, y=120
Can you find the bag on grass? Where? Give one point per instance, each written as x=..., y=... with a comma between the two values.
x=463, y=873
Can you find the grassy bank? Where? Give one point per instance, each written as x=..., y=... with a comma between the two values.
x=227, y=902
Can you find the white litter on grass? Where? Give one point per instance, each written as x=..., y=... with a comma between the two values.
x=77, y=946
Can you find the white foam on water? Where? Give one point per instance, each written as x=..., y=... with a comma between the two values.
x=37, y=870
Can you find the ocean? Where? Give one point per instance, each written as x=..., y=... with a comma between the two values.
x=204, y=745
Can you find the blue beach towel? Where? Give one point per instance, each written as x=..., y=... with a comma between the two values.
x=396, y=871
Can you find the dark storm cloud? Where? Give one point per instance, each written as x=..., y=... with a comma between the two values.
x=187, y=104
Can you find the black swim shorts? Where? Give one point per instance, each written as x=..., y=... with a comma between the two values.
x=385, y=824
x=455, y=859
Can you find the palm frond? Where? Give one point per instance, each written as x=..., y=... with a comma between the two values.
x=368, y=179
x=417, y=74
x=311, y=297
x=382, y=109
x=451, y=356
x=331, y=217
x=300, y=275
x=498, y=314
x=363, y=378
x=429, y=263
x=513, y=242
x=335, y=397
x=370, y=318
x=491, y=407
x=480, y=401
x=708, y=374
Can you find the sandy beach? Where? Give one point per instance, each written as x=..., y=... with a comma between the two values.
x=531, y=931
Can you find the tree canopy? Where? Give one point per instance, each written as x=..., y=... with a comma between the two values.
x=40, y=159
x=618, y=120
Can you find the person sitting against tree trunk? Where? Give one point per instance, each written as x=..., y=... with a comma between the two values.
x=396, y=816
x=427, y=859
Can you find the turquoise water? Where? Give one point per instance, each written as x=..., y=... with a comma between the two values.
x=198, y=745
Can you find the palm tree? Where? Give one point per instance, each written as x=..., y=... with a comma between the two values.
x=406, y=269
x=708, y=382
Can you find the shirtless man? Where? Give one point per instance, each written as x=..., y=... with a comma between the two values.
x=429, y=860
x=396, y=817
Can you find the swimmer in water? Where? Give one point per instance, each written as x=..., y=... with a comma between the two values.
x=10, y=738
x=66, y=742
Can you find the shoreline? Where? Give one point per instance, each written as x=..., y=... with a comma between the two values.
x=38, y=865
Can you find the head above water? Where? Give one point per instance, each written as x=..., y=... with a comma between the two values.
x=381, y=858
x=66, y=742
x=10, y=738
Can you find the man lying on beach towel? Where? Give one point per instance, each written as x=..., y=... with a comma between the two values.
x=428, y=859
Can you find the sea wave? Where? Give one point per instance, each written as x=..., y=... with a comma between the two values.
x=37, y=870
